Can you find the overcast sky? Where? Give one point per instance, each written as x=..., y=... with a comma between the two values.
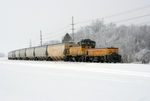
x=22, y=20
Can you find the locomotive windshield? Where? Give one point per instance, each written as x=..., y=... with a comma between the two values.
x=87, y=42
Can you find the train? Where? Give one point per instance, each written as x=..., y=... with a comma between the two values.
x=83, y=51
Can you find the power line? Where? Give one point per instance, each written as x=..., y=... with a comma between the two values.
x=128, y=19
x=106, y=17
x=118, y=14
x=58, y=35
x=64, y=32
x=53, y=35
x=128, y=11
x=133, y=18
x=53, y=38
x=63, y=28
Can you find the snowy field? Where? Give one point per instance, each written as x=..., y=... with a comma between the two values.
x=64, y=81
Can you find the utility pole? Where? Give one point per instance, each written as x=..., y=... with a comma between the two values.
x=30, y=43
x=72, y=28
x=41, y=37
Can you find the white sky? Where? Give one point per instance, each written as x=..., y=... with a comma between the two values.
x=22, y=20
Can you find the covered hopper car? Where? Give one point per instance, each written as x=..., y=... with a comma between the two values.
x=47, y=52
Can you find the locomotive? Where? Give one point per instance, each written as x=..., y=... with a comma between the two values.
x=83, y=51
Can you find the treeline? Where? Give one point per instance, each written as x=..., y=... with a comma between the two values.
x=133, y=41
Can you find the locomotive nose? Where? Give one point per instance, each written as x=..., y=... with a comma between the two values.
x=115, y=57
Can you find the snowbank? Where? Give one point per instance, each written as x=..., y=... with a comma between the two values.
x=66, y=81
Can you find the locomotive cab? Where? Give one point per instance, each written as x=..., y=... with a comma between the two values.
x=77, y=52
x=87, y=43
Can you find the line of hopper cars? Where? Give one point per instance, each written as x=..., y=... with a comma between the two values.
x=83, y=51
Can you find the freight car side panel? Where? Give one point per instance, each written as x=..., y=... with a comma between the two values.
x=113, y=50
x=10, y=55
x=76, y=51
x=30, y=53
x=41, y=52
x=17, y=54
x=101, y=52
x=23, y=53
x=59, y=51
x=56, y=52
x=109, y=51
x=13, y=55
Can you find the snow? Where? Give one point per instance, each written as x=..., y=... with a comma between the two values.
x=65, y=81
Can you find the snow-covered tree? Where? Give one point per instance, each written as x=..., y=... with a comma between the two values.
x=67, y=38
x=133, y=41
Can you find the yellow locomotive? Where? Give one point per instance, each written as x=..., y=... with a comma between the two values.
x=85, y=51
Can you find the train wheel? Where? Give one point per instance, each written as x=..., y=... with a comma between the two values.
x=49, y=59
x=35, y=58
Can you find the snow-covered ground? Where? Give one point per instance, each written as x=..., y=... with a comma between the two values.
x=64, y=81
